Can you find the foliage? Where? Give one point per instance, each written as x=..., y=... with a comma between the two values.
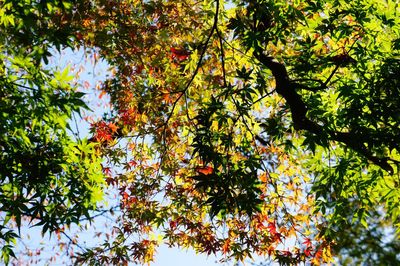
x=197, y=94
x=46, y=176
x=375, y=245
x=246, y=127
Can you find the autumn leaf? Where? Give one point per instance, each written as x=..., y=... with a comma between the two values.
x=308, y=252
x=308, y=243
x=113, y=127
x=226, y=246
x=102, y=93
x=179, y=54
x=205, y=170
x=286, y=111
x=272, y=228
x=107, y=171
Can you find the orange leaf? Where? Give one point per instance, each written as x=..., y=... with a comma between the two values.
x=125, y=195
x=264, y=177
x=102, y=93
x=113, y=127
x=226, y=246
x=206, y=170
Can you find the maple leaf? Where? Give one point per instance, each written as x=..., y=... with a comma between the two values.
x=103, y=135
x=206, y=170
x=286, y=253
x=113, y=127
x=318, y=254
x=179, y=54
x=125, y=195
x=226, y=246
x=264, y=177
x=107, y=171
x=272, y=228
x=307, y=242
x=173, y=224
x=307, y=252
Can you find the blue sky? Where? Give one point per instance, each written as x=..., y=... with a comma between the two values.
x=176, y=257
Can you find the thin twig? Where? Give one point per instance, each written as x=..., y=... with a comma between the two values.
x=73, y=241
x=222, y=57
x=213, y=28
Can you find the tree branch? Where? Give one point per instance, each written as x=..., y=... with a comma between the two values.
x=287, y=89
x=199, y=62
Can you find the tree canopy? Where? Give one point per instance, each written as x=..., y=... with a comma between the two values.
x=238, y=128
x=46, y=176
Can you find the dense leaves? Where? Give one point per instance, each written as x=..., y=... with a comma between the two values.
x=46, y=177
x=246, y=127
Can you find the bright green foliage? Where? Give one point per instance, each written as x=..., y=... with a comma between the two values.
x=45, y=176
x=375, y=245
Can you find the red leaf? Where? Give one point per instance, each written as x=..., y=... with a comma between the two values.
x=102, y=93
x=179, y=54
x=107, y=171
x=173, y=224
x=277, y=237
x=125, y=195
x=318, y=254
x=272, y=228
x=307, y=252
x=307, y=242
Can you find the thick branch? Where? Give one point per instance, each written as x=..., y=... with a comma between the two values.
x=287, y=89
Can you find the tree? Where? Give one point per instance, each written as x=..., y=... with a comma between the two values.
x=46, y=177
x=223, y=106
x=375, y=245
x=264, y=127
